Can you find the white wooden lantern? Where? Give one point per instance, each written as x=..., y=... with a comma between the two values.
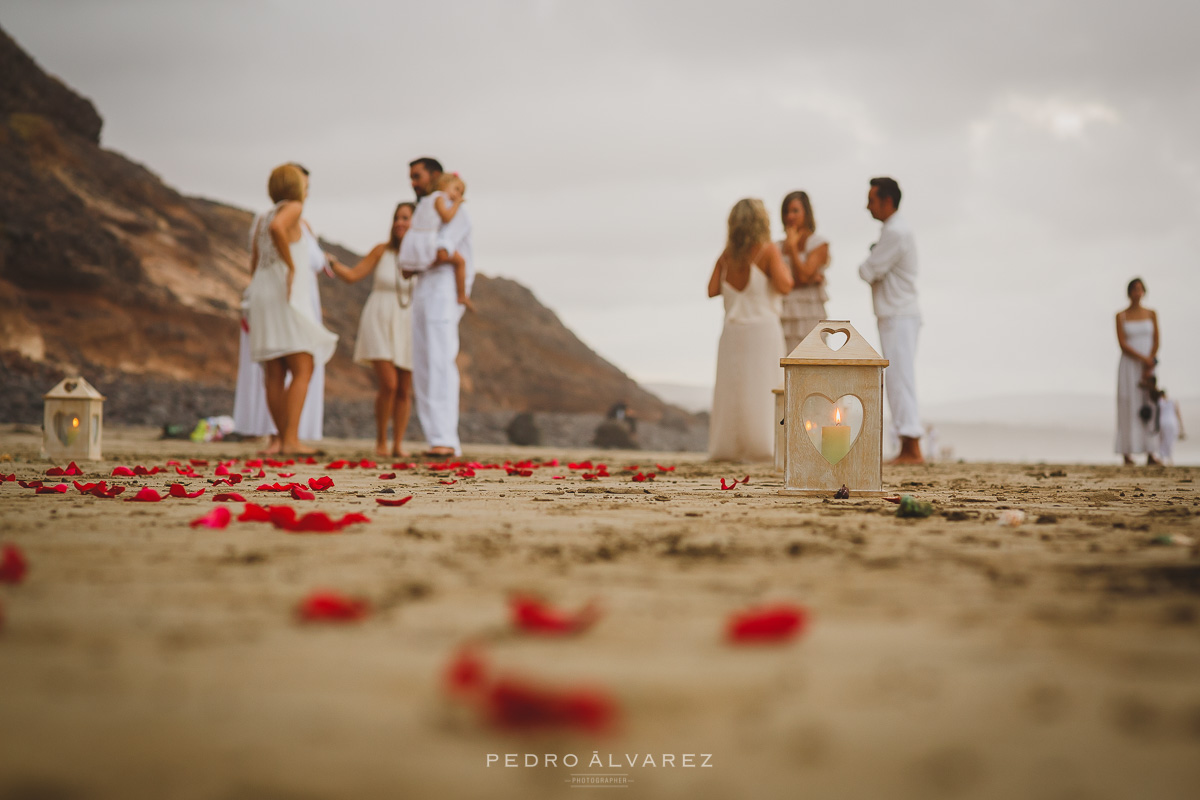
x=833, y=386
x=780, y=428
x=74, y=416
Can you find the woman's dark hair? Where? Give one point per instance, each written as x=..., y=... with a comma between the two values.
x=887, y=188
x=1132, y=283
x=809, y=221
x=393, y=242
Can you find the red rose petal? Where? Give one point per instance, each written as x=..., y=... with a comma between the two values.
x=519, y=705
x=302, y=494
x=733, y=485
x=286, y=474
x=466, y=672
x=281, y=516
x=12, y=476
x=589, y=476
x=339, y=464
x=125, y=471
x=320, y=484
x=767, y=624
x=222, y=470
x=145, y=495
x=217, y=518
x=13, y=565
x=465, y=472
x=533, y=616
x=353, y=518
x=253, y=512
x=30, y=484
x=331, y=607
x=403, y=465
x=387, y=476
x=179, y=490
x=59, y=489
x=447, y=483
x=385, y=502
x=229, y=497
x=661, y=468
x=197, y=462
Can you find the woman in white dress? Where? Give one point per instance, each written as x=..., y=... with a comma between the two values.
x=250, y=414
x=1137, y=334
x=806, y=254
x=385, y=332
x=285, y=335
x=751, y=278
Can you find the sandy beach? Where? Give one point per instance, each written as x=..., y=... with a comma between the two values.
x=944, y=657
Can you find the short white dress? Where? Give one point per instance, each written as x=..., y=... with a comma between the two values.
x=419, y=247
x=1133, y=434
x=385, y=326
x=280, y=325
x=803, y=306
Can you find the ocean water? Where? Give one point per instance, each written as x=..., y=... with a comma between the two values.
x=988, y=441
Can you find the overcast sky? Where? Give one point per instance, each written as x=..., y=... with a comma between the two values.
x=1048, y=151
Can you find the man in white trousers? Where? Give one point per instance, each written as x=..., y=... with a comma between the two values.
x=891, y=269
x=436, y=314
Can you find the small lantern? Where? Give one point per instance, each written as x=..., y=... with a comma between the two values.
x=73, y=418
x=780, y=428
x=834, y=400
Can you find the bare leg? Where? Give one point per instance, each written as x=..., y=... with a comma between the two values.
x=274, y=378
x=301, y=367
x=401, y=411
x=386, y=379
x=910, y=451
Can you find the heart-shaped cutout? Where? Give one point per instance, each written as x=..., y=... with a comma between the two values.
x=66, y=427
x=832, y=425
x=835, y=338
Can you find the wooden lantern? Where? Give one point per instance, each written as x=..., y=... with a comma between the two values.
x=780, y=428
x=74, y=416
x=834, y=403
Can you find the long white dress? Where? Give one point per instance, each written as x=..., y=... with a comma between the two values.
x=251, y=417
x=281, y=325
x=1133, y=435
x=385, y=326
x=742, y=427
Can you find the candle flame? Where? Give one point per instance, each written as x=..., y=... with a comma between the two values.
x=837, y=416
x=808, y=424
x=75, y=422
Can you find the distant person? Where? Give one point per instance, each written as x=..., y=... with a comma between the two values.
x=385, y=332
x=1137, y=335
x=453, y=189
x=891, y=269
x=250, y=414
x=436, y=310
x=1170, y=425
x=751, y=278
x=286, y=337
x=806, y=254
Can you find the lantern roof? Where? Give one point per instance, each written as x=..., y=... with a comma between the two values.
x=73, y=389
x=813, y=351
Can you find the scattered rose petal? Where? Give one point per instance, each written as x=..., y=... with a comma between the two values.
x=229, y=497
x=221, y=470
x=124, y=471
x=733, y=485
x=353, y=518
x=9, y=478
x=640, y=477
x=447, y=483
x=310, y=460
x=59, y=489
x=68, y=471
x=365, y=464
x=661, y=468
x=85, y=488
x=590, y=476
x=331, y=607
x=217, y=518
x=339, y=464
x=557, y=477
x=519, y=705
x=30, y=484
x=302, y=494
x=745, y=480
x=387, y=476
x=145, y=495
x=385, y=502
x=553, y=463
x=286, y=474
x=524, y=473
x=533, y=616
x=13, y=565
x=767, y=624
x=842, y=493
x=466, y=472
x=254, y=462
x=254, y=513
x=892, y=499
x=402, y=465
x=197, y=462
x=466, y=673
x=179, y=490
x=320, y=484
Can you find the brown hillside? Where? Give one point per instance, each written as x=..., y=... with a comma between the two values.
x=107, y=271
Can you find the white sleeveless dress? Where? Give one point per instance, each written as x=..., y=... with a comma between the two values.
x=385, y=326
x=418, y=248
x=742, y=426
x=280, y=325
x=1133, y=435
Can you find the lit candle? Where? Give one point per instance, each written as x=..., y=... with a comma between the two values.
x=835, y=439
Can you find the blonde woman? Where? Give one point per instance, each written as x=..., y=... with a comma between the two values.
x=285, y=335
x=385, y=332
x=751, y=278
x=806, y=254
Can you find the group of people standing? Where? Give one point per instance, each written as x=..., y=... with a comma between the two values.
x=774, y=295
x=408, y=330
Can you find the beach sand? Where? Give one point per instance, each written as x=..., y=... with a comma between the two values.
x=945, y=657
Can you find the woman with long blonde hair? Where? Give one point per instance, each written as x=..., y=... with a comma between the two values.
x=751, y=278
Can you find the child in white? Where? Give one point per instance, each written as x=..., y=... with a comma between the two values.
x=451, y=190
x=1170, y=426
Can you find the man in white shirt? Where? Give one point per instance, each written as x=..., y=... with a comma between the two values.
x=436, y=314
x=891, y=269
